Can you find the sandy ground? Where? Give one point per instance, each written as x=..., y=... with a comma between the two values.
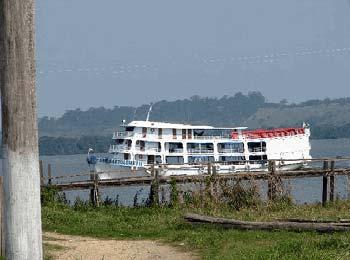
x=76, y=247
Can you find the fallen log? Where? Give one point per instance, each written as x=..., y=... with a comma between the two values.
x=301, y=220
x=270, y=226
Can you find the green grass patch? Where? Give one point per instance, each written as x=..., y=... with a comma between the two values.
x=49, y=248
x=208, y=241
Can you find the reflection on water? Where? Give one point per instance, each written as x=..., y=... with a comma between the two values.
x=303, y=190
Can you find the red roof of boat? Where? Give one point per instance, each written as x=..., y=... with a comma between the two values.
x=269, y=133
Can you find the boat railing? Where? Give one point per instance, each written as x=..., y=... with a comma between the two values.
x=200, y=151
x=176, y=150
x=257, y=149
x=233, y=150
x=207, y=137
x=147, y=149
x=122, y=134
x=118, y=148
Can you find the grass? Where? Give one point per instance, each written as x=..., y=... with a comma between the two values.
x=209, y=242
x=49, y=249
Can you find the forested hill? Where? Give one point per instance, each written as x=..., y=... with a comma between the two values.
x=250, y=110
x=101, y=121
x=77, y=129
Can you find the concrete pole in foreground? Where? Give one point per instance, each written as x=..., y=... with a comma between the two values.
x=23, y=238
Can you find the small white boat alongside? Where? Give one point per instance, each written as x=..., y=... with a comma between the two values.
x=183, y=149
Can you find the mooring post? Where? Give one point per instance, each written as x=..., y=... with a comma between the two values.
x=331, y=182
x=154, y=191
x=271, y=185
x=49, y=177
x=325, y=183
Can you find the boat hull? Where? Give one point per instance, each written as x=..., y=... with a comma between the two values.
x=108, y=171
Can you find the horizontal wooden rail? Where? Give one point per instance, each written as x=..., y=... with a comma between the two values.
x=146, y=180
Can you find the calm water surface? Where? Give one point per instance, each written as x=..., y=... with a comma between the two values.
x=306, y=190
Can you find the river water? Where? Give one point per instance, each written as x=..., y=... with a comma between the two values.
x=307, y=190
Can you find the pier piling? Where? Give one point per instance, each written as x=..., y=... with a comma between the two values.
x=154, y=191
x=331, y=182
x=325, y=183
x=49, y=176
x=94, y=193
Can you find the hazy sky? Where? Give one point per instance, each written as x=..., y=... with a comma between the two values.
x=111, y=52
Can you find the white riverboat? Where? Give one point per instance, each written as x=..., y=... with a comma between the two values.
x=183, y=149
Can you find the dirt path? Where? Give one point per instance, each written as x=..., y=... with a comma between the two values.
x=73, y=247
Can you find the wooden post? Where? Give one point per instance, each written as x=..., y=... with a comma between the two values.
x=271, y=186
x=209, y=168
x=154, y=191
x=2, y=227
x=325, y=183
x=331, y=182
x=94, y=192
x=23, y=237
x=214, y=169
x=49, y=176
x=41, y=169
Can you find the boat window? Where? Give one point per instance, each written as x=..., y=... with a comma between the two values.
x=198, y=132
x=256, y=147
x=144, y=131
x=232, y=159
x=140, y=145
x=174, y=133
x=189, y=134
x=183, y=133
x=160, y=132
x=174, y=147
x=126, y=156
x=174, y=160
x=150, y=159
x=119, y=141
x=158, y=159
x=200, y=159
x=139, y=157
x=148, y=146
x=200, y=147
x=258, y=158
x=129, y=128
x=128, y=143
x=230, y=147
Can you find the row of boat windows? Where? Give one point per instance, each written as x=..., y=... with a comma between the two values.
x=150, y=159
x=178, y=147
x=184, y=133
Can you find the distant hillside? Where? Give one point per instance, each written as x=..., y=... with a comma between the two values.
x=226, y=111
x=77, y=130
x=317, y=113
x=250, y=110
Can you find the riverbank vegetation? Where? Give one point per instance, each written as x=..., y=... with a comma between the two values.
x=166, y=223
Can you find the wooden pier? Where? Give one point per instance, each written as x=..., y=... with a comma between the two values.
x=273, y=177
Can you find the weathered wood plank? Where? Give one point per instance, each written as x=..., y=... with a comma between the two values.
x=147, y=180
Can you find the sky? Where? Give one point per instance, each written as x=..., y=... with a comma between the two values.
x=118, y=52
